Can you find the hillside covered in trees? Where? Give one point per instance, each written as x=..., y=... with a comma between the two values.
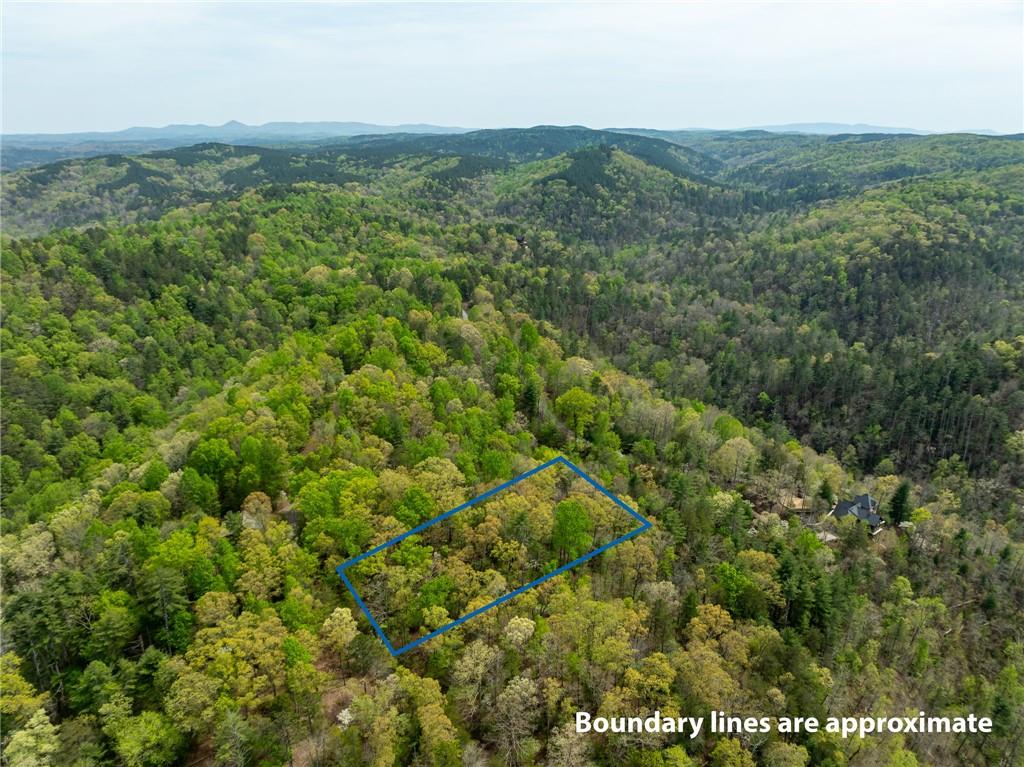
x=236, y=368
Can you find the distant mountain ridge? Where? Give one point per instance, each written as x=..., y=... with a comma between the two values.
x=293, y=130
x=834, y=129
x=137, y=186
x=231, y=131
x=26, y=150
x=694, y=170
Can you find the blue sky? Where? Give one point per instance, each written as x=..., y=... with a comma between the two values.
x=930, y=65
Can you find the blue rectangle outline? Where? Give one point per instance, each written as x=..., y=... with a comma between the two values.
x=644, y=525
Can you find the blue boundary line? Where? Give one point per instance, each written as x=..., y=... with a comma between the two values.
x=644, y=525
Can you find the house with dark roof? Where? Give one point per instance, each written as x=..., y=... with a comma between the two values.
x=863, y=508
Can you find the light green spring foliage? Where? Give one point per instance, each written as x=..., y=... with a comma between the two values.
x=203, y=417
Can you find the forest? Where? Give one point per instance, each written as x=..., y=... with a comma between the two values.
x=227, y=370
x=457, y=565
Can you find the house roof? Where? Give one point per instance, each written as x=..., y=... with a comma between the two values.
x=867, y=502
x=863, y=507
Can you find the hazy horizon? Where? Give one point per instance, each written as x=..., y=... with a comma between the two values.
x=940, y=67
x=794, y=126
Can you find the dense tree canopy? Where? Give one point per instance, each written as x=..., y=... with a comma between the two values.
x=204, y=415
